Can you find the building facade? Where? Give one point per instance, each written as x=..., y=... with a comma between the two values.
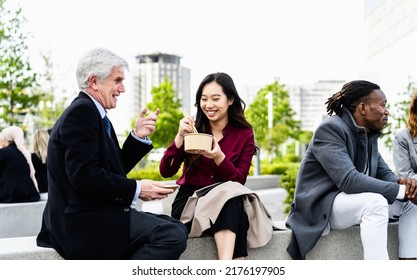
x=308, y=101
x=391, y=47
x=152, y=69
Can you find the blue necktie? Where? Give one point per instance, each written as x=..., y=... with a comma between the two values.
x=107, y=124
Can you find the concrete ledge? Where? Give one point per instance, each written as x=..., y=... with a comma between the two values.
x=337, y=245
x=273, y=200
x=21, y=219
x=262, y=182
x=346, y=245
x=25, y=219
x=25, y=248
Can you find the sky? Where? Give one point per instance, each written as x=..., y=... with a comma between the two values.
x=255, y=41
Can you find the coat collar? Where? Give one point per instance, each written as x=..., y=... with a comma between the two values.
x=360, y=130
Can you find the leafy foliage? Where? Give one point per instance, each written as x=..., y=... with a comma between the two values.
x=50, y=108
x=278, y=168
x=398, y=114
x=284, y=124
x=287, y=182
x=163, y=97
x=16, y=75
x=151, y=173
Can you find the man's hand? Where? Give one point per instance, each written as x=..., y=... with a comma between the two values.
x=151, y=190
x=410, y=189
x=146, y=125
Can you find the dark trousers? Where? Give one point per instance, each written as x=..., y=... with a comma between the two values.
x=232, y=217
x=156, y=237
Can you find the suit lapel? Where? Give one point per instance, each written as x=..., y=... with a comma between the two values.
x=110, y=145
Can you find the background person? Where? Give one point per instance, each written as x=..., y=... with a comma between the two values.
x=17, y=174
x=343, y=180
x=39, y=155
x=405, y=145
x=88, y=214
x=220, y=112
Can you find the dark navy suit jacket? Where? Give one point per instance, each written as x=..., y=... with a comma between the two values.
x=87, y=215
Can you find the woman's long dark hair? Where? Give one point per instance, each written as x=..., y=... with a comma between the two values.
x=235, y=111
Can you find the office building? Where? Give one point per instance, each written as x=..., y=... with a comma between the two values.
x=391, y=53
x=152, y=69
x=308, y=101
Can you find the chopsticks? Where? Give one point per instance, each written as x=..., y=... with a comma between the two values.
x=184, y=112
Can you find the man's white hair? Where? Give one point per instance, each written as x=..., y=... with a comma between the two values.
x=100, y=63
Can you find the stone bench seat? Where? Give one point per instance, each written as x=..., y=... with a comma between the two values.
x=21, y=219
x=337, y=245
x=21, y=222
x=24, y=219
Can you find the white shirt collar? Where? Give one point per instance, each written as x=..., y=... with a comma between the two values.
x=98, y=105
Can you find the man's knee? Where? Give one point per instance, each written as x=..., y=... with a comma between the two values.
x=377, y=200
x=376, y=203
x=176, y=233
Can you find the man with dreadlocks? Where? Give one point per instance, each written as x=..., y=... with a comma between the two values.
x=343, y=180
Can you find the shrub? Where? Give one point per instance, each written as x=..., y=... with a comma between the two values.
x=151, y=173
x=287, y=182
x=275, y=168
x=290, y=158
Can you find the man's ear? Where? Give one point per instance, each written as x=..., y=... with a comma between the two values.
x=92, y=82
x=362, y=108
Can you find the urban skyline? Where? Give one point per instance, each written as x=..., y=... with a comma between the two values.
x=255, y=41
x=299, y=42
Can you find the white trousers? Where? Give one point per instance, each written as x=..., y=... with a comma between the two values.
x=371, y=212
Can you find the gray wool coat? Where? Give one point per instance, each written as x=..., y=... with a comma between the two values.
x=335, y=161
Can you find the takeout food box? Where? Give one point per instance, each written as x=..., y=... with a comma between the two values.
x=172, y=187
x=194, y=142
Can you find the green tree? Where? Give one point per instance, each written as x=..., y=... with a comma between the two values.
x=284, y=125
x=163, y=97
x=16, y=74
x=50, y=108
x=398, y=114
